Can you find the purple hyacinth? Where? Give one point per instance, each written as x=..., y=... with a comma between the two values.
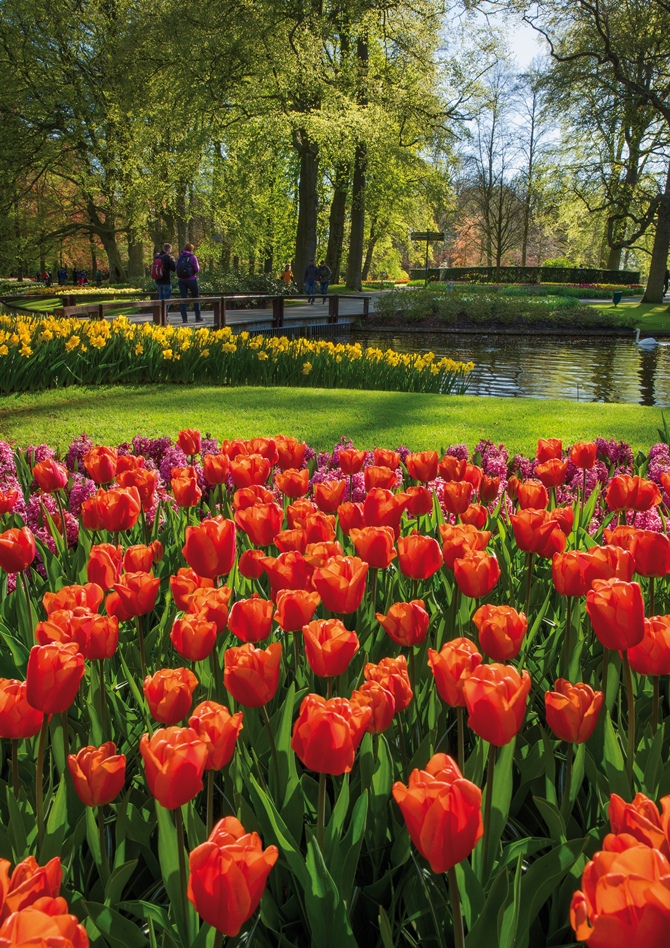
x=75, y=454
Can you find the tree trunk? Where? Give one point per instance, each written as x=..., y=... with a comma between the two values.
x=372, y=243
x=117, y=272
x=357, y=232
x=338, y=209
x=181, y=217
x=305, y=238
x=135, y=258
x=659, y=254
x=614, y=258
x=94, y=256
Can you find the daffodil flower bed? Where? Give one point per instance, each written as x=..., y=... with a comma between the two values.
x=38, y=353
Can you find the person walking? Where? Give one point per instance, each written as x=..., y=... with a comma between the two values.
x=286, y=276
x=311, y=276
x=187, y=268
x=161, y=273
x=325, y=276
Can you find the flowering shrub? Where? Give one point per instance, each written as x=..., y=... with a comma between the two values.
x=258, y=692
x=47, y=353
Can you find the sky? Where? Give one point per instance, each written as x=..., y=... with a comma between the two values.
x=524, y=42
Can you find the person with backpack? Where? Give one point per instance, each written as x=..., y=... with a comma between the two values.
x=187, y=273
x=325, y=275
x=162, y=268
x=311, y=276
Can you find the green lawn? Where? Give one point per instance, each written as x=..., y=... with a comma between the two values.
x=652, y=316
x=321, y=417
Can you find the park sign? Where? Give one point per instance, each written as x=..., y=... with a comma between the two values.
x=427, y=235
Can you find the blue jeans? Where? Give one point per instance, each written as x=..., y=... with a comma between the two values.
x=324, y=289
x=164, y=293
x=186, y=288
x=310, y=289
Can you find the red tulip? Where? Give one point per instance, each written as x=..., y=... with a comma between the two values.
x=288, y=541
x=50, y=475
x=53, y=676
x=379, y=478
x=298, y=512
x=452, y=468
x=374, y=545
x=138, y=558
x=261, y=523
x=443, y=812
x=651, y=552
x=341, y=583
x=251, y=674
x=552, y=473
x=451, y=667
x=228, y=874
x=31, y=886
x=496, y=697
x=211, y=605
x=351, y=517
x=381, y=508
x=290, y=452
x=536, y=532
x=252, y=495
x=501, y=631
x=320, y=554
x=100, y=463
x=572, y=710
x=189, y=441
x=98, y=774
x=419, y=557
x=17, y=549
x=406, y=623
x=583, y=454
x=18, y=719
x=266, y=447
x=616, y=611
x=488, y=489
x=211, y=548
x=632, y=493
x=622, y=536
x=385, y=458
x=88, y=597
x=250, y=564
x=249, y=469
x=8, y=499
x=651, y=656
x=419, y=501
x=476, y=515
x=609, y=562
x=392, y=674
x=319, y=527
x=476, y=574
x=92, y=511
x=532, y=495
x=326, y=734
x=174, y=762
x=460, y=539
x=185, y=487
x=568, y=572
x=119, y=508
x=184, y=584
x=379, y=700
x=293, y=483
x=143, y=480
x=135, y=594
x=638, y=822
x=219, y=730
x=169, y=694
x=351, y=461
x=193, y=638
x=251, y=619
x=328, y=495
x=295, y=608
x=329, y=646
x=216, y=468
x=422, y=466
x=104, y=564
x=548, y=449
x=288, y=571
x=456, y=496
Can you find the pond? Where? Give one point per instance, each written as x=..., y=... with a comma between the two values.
x=583, y=368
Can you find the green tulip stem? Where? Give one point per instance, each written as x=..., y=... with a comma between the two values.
x=321, y=811
x=61, y=511
x=412, y=670
x=218, y=940
x=273, y=746
x=140, y=639
x=373, y=587
x=631, y=717
x=179, y=822
x=216, y=674
x=460, y=728
x=566, y=641
x=403, y=749
x=652, y=596
x=606, y=660
x=15, y=767
x=656, y=683
x=296, y=655
x=489, y=800
x=103, y=698
x=565, y=801
x=210, y=801
x=459, y=933
x=39, y=780
x=529, y=582
x=31, y=616
x=104, y=862
x=584, y=490
x=455, y=601
x=66, y=737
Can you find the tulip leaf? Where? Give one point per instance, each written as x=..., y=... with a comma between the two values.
x=577, y=778
x=119, y=932
x=337, y=817
x=500, y=805
x=56, y=825
x=92, y=837
x=485, y=929
x=326, y=911
x=276, y=831
x=168, y=855
x=552, y=817
x=288, y=775
x=16, y=827
x=471, y=892
x=541, y=880
x=118, y=881
x=614, y=761
x=649, y=759
x=344, y=861
x=509, y=917
x=385, y=929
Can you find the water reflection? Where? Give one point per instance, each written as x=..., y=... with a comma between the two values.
x=582, y=368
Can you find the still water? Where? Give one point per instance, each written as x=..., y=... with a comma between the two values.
x=585, y=369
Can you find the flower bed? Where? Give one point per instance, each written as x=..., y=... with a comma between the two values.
x=282, y=697
x=49, y=353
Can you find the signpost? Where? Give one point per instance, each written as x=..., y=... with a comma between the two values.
x=430, y=236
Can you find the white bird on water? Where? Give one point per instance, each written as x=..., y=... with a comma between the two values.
x=648, y=343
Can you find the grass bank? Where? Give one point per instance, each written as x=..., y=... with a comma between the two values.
x=115, y=413
x=650, y=317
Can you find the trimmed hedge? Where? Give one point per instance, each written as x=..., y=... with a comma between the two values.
x=528, y=275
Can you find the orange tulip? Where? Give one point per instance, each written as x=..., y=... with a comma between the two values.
x=266, y=447
x=476, y=515
x=251, y=619
x=233, y=449
x=250, y=564
x=293, y=483
x=261, y=523
x=120, y=508
x=385, y=458
x=638, y=822
x=319, y=527
x=290, y=452
x=299, y=511
x=228, y=874
x=583, y=454
x=17, y=549
x=98, y=774
x=295, y=608
x=143, y=480
x=380, y=478
x=456, y=496
x=185, y=487
x=249, y=469
x=92, y=511
x=609, y=562
x=329, y=646
x=53, y=676
x=419, y=500
x=44, y=924
x=422, y=466
x=219, y=730
x=651, y=656
x=572, y=710
x=568, y=572
x=381, y=508
x=100, y=463
x=169, y=694
x=379, y=700
x=624, y=900
x=451, y=667
x=419, y=557
x=88, y=596
x=50, y=475
x=532, y=494
x=552, y=473
x=104, y=564
x=351, y=517
x=341, y=583
x=288, y=571
x=651, y=552
x=501, y=631
x=496, y=697
x=189, y=441
x=616, y=611
x=328, y=495
x=512, y=488
x=216, y=468
x=326, y=734
x=102, y=636
x=211, y=605
x=18, y=719
x=622, y=536
x=452, y=468
x=318, y=554
x=549, y=449
x=8, y=499
x=406, y=623
x=443, y=812
x=30, y=886
x=488, y=489
x=135, y=594
x=211, y=547
x=351, y=461
x=536, y=532
x=138, y=559
x=184, y=584
x=251, y=674
x=289, y=540
x=476, y=574
x=374, y=545
x=174, y=762
x=392, y=674
x=193, y=638
x=632, y=493
x=459, y=539
x=252, y=495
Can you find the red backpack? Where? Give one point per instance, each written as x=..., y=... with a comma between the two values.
x=157, y=269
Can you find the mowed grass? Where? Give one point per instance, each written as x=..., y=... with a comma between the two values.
x=651, y=317
x=112, y=414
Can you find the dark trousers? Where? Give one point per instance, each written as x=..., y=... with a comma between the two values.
x=189, y=288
